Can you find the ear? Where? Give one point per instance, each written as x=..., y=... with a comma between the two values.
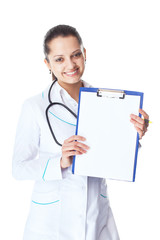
x=84, y=50
x=47, y=64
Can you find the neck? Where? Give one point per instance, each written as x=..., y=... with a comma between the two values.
x=72, y=89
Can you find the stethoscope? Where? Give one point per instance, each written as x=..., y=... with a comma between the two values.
x=50, y=105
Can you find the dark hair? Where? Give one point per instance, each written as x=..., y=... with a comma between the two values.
x=57, y=31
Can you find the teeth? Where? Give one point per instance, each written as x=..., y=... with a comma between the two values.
x=71, y=72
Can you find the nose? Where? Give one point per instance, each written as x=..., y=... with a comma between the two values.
x=70, y=64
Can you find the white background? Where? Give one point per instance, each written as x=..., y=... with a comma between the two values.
x=122, y=39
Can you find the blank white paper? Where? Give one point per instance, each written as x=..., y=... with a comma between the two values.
x=105, y=123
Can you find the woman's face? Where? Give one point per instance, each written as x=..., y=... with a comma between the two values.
x=66, y=59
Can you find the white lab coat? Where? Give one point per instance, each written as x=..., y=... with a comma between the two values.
x=63, y=206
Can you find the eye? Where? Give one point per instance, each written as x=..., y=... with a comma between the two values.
x=59, y=60
x=77, y=54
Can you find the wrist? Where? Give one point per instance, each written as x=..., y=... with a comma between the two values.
x=62, y=164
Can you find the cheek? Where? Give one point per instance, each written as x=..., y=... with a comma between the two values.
x=57, y=69
x=81, y=63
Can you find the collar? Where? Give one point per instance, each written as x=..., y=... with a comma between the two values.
x=65, y=94
x=58, y=92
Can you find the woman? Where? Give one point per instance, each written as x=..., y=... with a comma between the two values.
x=63, y=205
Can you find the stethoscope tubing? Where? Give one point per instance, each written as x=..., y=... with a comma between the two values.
x=49, y=106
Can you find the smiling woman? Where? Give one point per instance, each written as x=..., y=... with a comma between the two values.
x=59, y=51
x=66, y=59
x=63, y=205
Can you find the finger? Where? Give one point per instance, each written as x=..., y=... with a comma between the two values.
x=74, y=138
x=73, y=153
x=137, y=118
x=74, y=145
x=144, y=114
x=138, y=122
x=140, y=132
x=75, y=148
x=142, y=127
x=82, y=145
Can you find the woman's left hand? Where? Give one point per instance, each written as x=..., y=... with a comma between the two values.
x=139, y=123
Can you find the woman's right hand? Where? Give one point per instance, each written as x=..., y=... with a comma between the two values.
x=71, y=147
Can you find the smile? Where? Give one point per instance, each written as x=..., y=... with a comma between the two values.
x=72, y=73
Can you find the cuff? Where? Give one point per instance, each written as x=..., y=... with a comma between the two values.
x=139, y=145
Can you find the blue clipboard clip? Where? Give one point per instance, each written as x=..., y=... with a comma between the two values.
x=110, y=93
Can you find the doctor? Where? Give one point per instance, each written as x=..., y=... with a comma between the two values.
x=63, y=206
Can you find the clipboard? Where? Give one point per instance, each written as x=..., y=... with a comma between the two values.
x=104, y=120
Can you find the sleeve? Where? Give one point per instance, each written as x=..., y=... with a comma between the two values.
x=28, y=162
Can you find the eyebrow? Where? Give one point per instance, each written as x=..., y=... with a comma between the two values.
x=72, y=53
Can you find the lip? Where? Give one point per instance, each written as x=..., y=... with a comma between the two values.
x=71, y=73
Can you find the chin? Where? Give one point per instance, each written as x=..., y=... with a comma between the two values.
x=71, y=80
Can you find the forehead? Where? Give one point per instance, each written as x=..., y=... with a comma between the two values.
x=63, y=45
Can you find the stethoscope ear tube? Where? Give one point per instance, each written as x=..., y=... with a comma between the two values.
x=49, y=92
